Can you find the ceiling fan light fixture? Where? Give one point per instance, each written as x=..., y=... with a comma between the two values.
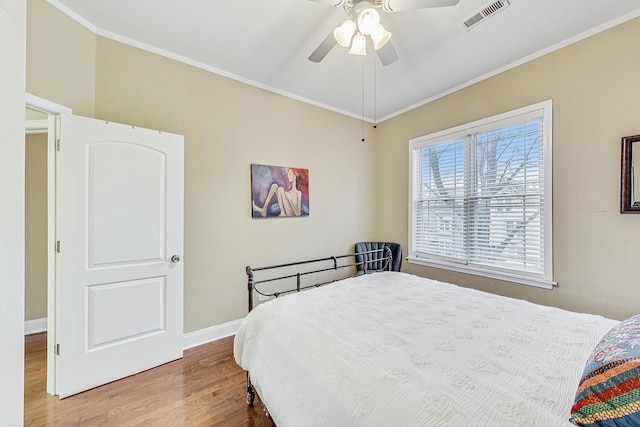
x=368, y=20
x=358, y=47
x=380, y=36
x=344, y=32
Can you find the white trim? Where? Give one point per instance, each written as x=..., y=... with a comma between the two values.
x=545, y=279
x=35, y=326
x=79, y=19
x=214, y=333
x=530, y=281
x=536, y=55
x=547, y=131
x=476, y=126
x=194, y=63
x=224, y=73
x=190, y=340
x=44, y=106
x=51, y=254
x=51, y=109
x=32, y=127
x=179, y=58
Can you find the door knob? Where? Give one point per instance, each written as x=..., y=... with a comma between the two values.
x=175, y=258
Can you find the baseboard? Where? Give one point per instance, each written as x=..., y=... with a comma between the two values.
x=203, y=336
x=35, y=326
x=192, y=339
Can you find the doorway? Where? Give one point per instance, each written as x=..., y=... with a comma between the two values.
x=35, y=221
x=114, y=293
x=40, y=123
x=35, y=259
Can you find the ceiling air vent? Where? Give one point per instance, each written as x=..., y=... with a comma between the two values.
x=484, y=13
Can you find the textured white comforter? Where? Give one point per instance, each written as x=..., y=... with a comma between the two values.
x=392, y=349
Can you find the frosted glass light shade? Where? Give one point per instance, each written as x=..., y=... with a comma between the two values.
x=368, y=20
x=344, y=32
x=380, y=36
x=358, y=47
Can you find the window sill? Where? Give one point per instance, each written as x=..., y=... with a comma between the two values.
x=523, y=280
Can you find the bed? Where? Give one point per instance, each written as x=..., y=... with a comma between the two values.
x=393, y=349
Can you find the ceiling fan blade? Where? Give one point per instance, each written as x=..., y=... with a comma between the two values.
x=336, y=3
x=323, y=49
x=400, y=5
x=387, y=54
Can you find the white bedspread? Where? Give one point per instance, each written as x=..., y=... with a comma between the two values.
x=392, y=349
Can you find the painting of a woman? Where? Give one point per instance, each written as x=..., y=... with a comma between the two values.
x=279, y=191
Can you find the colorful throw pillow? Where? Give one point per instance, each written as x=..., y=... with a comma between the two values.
x=609, y=391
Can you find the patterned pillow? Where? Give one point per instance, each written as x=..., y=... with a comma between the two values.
x=609, y=391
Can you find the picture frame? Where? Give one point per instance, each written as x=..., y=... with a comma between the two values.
x=630, y=175
x=279, y=191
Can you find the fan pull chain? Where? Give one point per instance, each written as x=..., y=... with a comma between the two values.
x=363, y=61
x=375, y=93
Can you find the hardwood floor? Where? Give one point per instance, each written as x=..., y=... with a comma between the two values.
x=204, y=388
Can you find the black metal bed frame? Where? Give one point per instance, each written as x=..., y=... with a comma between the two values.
x=336, y=263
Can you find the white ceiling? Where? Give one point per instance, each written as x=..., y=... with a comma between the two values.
x=267, y=42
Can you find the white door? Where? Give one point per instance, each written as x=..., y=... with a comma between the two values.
x=119, y=231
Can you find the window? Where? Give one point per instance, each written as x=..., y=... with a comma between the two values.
x=481, y=197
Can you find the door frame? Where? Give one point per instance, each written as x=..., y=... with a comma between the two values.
x=51, y=109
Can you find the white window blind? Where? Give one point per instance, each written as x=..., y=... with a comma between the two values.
x=481, y=197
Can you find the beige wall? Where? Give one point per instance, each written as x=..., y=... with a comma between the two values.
x=595, y=88
x=60, y=58
x=227, y=126
x=35, y=226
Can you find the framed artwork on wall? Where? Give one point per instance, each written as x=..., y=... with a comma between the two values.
x=630, y=189
x=279, y=191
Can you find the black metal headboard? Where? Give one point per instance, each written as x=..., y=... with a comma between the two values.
x=313, y=267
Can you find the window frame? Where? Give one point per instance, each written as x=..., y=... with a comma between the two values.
x=542, y=280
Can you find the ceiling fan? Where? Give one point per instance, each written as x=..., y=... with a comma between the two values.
x=364, y=20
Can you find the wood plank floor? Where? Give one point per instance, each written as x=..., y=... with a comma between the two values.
x=205, y=388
